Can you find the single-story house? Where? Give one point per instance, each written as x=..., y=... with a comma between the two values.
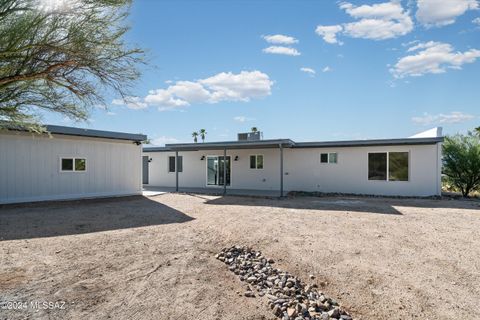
x=68, y=163
x=399, y=167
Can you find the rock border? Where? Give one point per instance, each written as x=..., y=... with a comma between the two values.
x=289, y=298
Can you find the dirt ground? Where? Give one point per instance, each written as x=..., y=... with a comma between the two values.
x=153, y=258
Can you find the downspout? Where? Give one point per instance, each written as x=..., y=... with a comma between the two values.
x=176, y=171
x=224, y=171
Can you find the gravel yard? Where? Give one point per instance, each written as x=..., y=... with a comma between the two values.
x=154, y=258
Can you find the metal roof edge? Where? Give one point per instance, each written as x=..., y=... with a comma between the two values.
x=372, y=142
x=82, y=132
x=313, y=144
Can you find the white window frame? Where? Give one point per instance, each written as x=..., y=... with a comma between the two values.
x=256, y=155
x=328, y=158
x=388, y=166
x=206, y=171
x=73, y=167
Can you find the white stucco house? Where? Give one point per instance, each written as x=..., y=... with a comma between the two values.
x=397, y=167
x=70, y=163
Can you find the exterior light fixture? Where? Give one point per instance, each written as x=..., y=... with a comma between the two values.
x=202, y=158
x=236, y=158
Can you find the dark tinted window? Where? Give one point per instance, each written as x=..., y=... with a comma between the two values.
x=171, y=164
x=377, y=166
x=324, y=157
x=398, y=166
x=67, y=164
x=253, y=162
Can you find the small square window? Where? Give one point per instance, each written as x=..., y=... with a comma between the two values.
x=256, y=161
x=67, y=164
x=324, y=158
x=332, y=157
x=80, y=164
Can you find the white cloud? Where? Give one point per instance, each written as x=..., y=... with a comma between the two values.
x=162, y=140
x=378, y=22
x=242, y=119
x=110, y=113
x=308, y=70
x=441, y=13
x=280, y=39
x=329, y=33
x=452, y=117
x=432, y=57
x=289, y=51
x=224, y=86
x=476, y=21
x=134, y=103
x=327, y=69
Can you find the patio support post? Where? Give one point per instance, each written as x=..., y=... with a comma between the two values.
x=176, y=171
x=281, y=170
x=224, y=171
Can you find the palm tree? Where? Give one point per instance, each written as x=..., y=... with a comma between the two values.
x=203, y=133
x=254, y=129
x=477, y=130
x=195, y=135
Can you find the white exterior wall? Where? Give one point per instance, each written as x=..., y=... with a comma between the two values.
x=30, y=167
x=304, y=172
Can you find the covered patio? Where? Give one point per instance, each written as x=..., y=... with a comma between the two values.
x=178, y=149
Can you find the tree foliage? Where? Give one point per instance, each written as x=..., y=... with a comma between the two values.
x=62, y=58
x=461, y=162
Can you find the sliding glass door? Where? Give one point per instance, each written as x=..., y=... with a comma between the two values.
x=215, y=167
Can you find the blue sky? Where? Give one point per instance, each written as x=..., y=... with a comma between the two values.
x=371, y=69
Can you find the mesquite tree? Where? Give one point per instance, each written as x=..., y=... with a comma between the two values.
x=62, y=56
x=461, y=162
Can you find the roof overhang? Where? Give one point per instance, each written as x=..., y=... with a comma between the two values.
x=71, y=131
x=229, y=145
x=369, y=143
x=287, y=143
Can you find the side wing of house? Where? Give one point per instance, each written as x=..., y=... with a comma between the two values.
x=37, y=168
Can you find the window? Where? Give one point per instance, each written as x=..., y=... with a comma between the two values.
x=67, y=164
x=397, y=166
x=328, y=157
x=80, y=165
x=377, y=166
x=256, y=161
x=73, y=164
x=171, y=164
x=332, y=157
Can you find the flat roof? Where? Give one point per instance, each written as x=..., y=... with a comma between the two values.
x=258, y=144
x=275, y=143
x=367, y=143
x=71, y=131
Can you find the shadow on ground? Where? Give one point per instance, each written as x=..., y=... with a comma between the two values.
x=378, y=205
x=37, y=220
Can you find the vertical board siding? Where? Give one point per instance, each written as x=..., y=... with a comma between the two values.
x=30, y=167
